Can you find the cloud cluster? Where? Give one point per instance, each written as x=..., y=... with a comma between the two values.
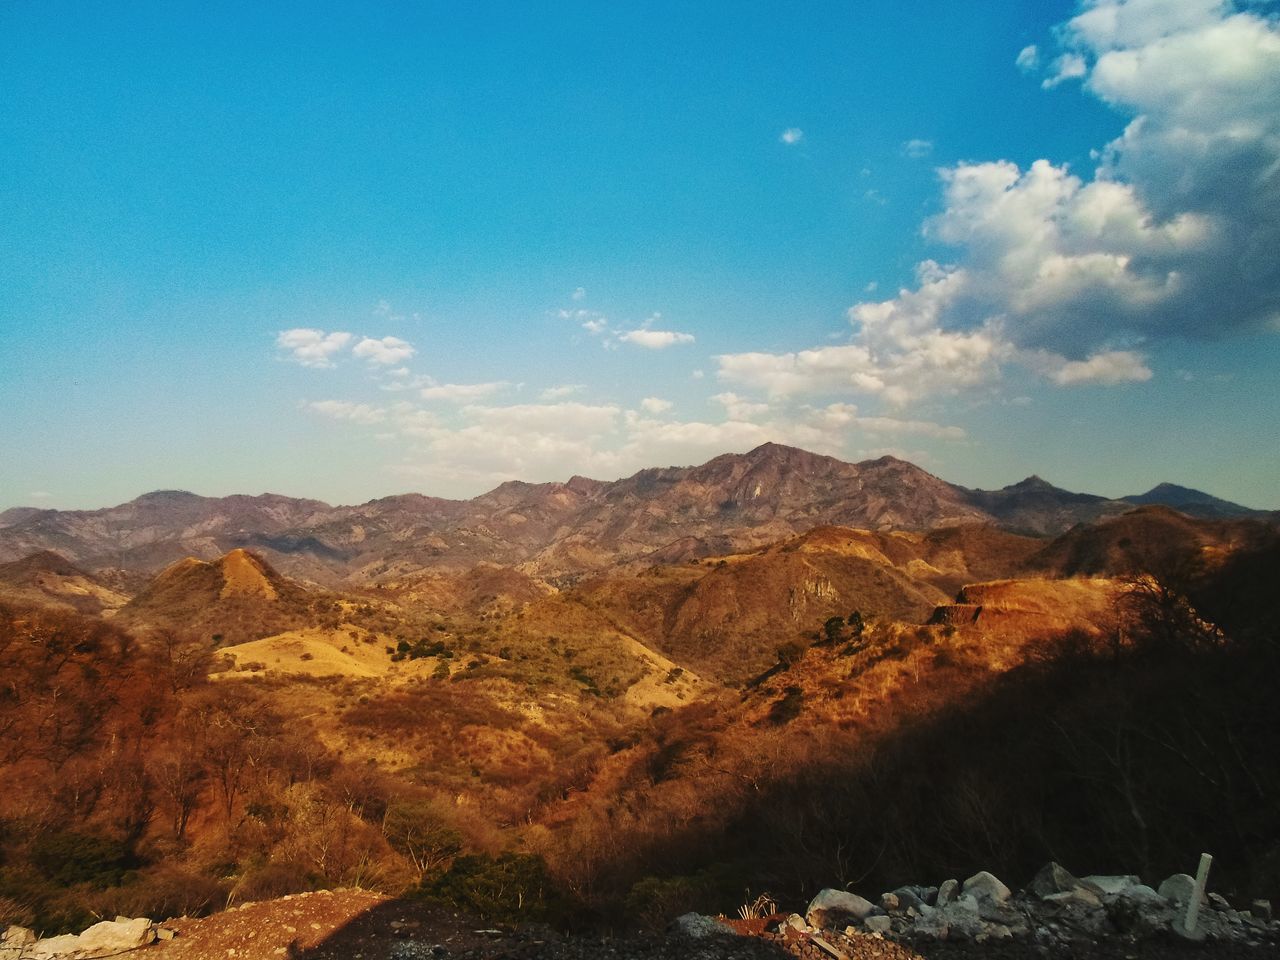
x=312, y=348
x=655, y=339
x=478, y=445
x=320, y=350
x=385, y=352
x=1074, y=277
x=460, y=392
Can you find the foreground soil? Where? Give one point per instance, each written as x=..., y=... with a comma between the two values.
x=359, y=925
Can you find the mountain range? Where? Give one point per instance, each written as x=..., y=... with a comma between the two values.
x=561, y=531
x=724, y=667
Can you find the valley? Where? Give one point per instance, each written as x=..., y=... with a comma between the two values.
x=614, y=703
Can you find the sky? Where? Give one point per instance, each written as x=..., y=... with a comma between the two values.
x=349, y=250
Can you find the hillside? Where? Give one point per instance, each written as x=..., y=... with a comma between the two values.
x=827, y=706
x=234, y=598
x=556, y=532
x=47, y=578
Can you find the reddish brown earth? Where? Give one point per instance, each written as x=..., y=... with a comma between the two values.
x=360, y=925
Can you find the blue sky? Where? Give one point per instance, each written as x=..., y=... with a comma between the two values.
x=338, y=252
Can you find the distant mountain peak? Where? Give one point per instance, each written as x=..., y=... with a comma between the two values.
x=1190, y=500
x=167, y=496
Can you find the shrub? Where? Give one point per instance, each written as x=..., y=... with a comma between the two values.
x=67, y=858
x=515, y=886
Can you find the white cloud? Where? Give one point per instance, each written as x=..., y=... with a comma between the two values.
x=385, y=351
x=1028, y=59
x=40, y=495
x=1109, y=367
x=461, y=392
x=343, y=410
x=461, y=451
x=560, y=392
x=655, y=339
x=596, y=325
x=575, y=419
x=739, y=408
x=580, y=293
x=1173, y=235
x=917, y=148
x=312, y=348
x=1069, y=66
x=791, y=136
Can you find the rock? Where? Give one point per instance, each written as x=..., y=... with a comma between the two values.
x=110, y=937
x=66, y=945
x=832, y=909
x=878, y=924
x=697, y=927
x=1259, y=908
x=933, y=927
x=962, y=919
x=947, y=892
x=16, y=936
x=994, y=931
x=1111, y=885
x=913, y=898
x=1178, y=888
x=985, y=886
x=1080, y=896
x=1053, y=878
x=796, y=922
x=1140, y=912
x=165, y=933
x=889, y=902
x=1219, y=902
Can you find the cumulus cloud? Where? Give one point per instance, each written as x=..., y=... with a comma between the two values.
x=312, y=348
x=655, y=405
x=791, y=136
x=344, y=410
x=655, y=339
x=1028, y=59
x=1173, y=234
x=917, y=148
x=385, y=351
x=461, y=392
x=579, y=293
x=1069, y=66
x=1109, y=367
x=740, y=408
x=560, y=392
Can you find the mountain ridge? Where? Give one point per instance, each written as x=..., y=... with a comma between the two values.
x=562, y=530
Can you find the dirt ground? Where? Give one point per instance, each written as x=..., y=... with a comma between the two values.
x=360, y=925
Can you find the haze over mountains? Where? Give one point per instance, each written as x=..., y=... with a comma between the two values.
x=562, y=530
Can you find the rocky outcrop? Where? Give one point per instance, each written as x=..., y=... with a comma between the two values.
x=106, y=939
x=1056, y=911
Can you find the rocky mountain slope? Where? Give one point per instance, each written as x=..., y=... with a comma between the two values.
x=555, y=531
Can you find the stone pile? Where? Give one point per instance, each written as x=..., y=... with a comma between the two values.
x=105, y=939
x=1056, y=910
